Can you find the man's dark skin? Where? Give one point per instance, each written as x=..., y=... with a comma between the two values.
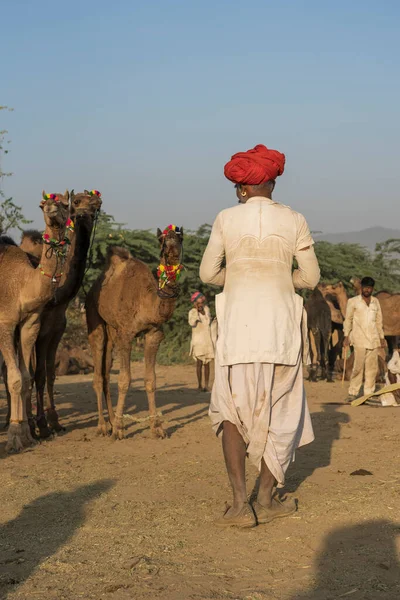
x=233, y=444
x=366, y=294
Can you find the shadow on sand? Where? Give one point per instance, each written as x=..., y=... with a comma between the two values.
x=41, y=528
x=327, y=428
x=77, y=407
x=359, y=562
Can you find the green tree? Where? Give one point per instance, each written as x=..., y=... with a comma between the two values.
x=341, y=262
x=11, y=215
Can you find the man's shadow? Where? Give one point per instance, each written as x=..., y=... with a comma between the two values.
x=359, y=562
x=40, y=529
x=327, y=426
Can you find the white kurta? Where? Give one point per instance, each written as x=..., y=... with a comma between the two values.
x=201, y=347
x=258, y=380
x=364, y=323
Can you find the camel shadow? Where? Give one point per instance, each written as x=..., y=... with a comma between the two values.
x=77, y=407
x=359, y=562
x=41, y=528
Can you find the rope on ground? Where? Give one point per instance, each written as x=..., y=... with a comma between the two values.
x=141, y=419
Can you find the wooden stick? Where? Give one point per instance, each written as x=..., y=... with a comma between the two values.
x=344, y=365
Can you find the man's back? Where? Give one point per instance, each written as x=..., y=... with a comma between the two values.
x=258, y=312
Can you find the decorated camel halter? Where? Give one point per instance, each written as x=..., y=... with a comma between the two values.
x=58, y=247
x=168, y=274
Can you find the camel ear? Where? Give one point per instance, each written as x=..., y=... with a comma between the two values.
x=86, y=192
x=72, y=195
x=181, y=231
x=159, y=234
x=43, y=195
x=65, y=199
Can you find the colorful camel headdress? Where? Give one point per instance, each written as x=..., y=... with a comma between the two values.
x=169, y=273
x=50, y=197
x=177, y=230
x=95, y=193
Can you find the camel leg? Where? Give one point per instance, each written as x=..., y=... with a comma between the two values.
x=29, y=331
x=107, y=364
x=97, y=341
x=327, y=343
x=17, y=427
x=40, y=382
x=124, y=348
x=5, y=381
x=312, y=369
x=52, y=416
x=153, y=340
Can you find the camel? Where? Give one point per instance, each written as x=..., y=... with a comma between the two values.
x=319, y=331
x=125, y=301
x=25, y=292
x=84, y=209
x=32, y=244
x=336, y=297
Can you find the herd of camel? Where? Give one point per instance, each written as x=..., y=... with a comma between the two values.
x=40, y=278
x=326, y=312
x=44, y=274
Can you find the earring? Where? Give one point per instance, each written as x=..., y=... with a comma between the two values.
x=243, y=194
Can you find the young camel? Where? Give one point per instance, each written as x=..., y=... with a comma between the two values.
x=125, y=301
x=25, y=292
x=84, y=209
x=32, y=244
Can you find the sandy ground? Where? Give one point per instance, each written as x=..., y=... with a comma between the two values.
x=86, y=517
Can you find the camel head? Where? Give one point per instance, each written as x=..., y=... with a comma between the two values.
x=356, y=283
x=55, y=209
x=336, y=294
x=86, y=204
x=171, y=242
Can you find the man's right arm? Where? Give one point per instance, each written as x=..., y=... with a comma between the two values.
x=210, y=268
x=348, y=322
x=193, y=317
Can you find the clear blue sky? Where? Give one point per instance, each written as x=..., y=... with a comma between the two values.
x=146, y=101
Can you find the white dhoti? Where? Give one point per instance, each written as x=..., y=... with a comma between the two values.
x=267, y=403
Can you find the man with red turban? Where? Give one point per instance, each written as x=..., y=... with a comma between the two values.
x=258, y=401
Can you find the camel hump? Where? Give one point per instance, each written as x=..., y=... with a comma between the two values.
x=117, y=254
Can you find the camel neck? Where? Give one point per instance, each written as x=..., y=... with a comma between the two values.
x=75, y=264
x=48, y=274
x=166, y=307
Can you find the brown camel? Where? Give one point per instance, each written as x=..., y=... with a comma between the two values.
x=32, y=244
x=84, y=209
x=336, y=297
x=124, y=302
x=25, y=292
x=319, y=331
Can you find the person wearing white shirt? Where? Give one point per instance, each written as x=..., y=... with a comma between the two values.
x=363, y=329
x=258, y=402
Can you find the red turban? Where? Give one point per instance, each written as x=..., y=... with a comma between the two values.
x=255, y=166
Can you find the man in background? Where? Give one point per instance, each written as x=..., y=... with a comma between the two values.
x=363, y=329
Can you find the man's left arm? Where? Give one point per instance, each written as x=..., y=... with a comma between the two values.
x=307, y=274
x=379, y=324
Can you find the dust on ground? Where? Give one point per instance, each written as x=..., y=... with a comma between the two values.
x=86, y=517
